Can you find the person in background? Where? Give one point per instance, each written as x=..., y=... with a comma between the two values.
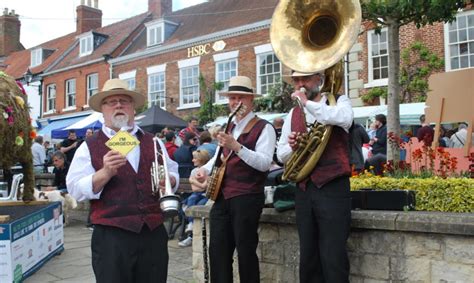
x=89, y=133
x=214, y=131
x=198, y=197
x=39, y=155
x=205, y=142
x=358, y=137
x=191, y=128
x=61, y=167
x=49, y=150
x=278, y=124
x=70, y=145
x=129, y=242
x=379, y=146
x=234, y=217
x=459, y=138
x=323, y=200
x=425, y=133
x=184, y=154
x=372, y=130
x=170, y=144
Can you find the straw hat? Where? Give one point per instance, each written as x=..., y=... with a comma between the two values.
x=240, y=85
x=115, y=87
x=300, y=74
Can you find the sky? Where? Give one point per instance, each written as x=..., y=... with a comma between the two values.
x=43, y=20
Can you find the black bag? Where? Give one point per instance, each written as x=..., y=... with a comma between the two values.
x=383, y=200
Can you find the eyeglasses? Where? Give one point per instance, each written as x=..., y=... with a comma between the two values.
x=114, y=102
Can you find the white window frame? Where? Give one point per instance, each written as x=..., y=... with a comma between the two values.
x=186, y=66
x=262, y=51
x=225, y=59
x=50, y=99
x=92, y=81
x=70, y=94
x=157, y=86
x=129, y=77
x=36, y=57
x=371, y=81
x=154, y=33
x=468, y=42
x=86, y=44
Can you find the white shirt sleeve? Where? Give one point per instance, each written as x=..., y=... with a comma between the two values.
x=339, y=115
x=283, y=148
x=261, y=158
x=79, y=176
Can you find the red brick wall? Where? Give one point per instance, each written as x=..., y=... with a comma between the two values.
x=432, y=36
x=246, y=67
x=80, y=74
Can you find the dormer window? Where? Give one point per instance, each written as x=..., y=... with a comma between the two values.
x=158, y=31
x=85, y=45
x=90, y=41
x=154, y=34
x=36, y=57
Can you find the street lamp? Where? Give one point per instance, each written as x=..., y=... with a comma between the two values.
x=28, y=78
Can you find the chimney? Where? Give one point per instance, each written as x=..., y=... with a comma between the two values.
x=9, y=33
x=88, y=17
x=160, y=8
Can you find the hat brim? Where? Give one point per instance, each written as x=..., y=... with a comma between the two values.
x=95, y=101
x=229, y=93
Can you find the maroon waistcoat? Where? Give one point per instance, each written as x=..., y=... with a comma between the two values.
x=126, y=201
x=334, y=161
x=240, y=178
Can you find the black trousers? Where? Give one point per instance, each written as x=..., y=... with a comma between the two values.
x=122, y=256
x=323, y=217
x=233, y=225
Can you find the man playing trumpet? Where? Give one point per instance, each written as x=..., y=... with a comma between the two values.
x=129, y=242
x=323, y=201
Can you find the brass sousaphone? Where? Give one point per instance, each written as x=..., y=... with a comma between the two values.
x=312, y=36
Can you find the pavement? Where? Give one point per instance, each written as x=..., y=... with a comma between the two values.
x=74, y=263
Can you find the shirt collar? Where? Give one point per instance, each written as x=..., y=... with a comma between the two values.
x=245, y=120
x=110, y=132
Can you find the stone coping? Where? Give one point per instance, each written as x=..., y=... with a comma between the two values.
x=411, y=221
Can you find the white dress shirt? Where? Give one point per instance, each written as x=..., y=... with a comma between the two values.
x=79, y=177
x=340, y=115
x=260, y=158
x=39, y=154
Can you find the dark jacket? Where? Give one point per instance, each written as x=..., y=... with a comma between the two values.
x=380, y=146
x=184, y=156
x=358, y=136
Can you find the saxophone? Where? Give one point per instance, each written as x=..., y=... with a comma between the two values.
x=309, y=36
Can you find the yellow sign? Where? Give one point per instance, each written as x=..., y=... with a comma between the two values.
x=122, y=142
x=198, y=50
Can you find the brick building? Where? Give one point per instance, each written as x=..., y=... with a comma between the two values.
x=162, y=53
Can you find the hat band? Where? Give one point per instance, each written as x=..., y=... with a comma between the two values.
x=240, y=88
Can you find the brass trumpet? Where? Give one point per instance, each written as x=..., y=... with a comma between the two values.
x=169, y=202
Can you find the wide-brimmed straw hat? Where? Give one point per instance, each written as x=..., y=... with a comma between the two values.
x=115, y=87
x=239, y=85
x=300, y=74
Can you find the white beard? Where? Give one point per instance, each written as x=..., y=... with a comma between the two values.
x=120, y=121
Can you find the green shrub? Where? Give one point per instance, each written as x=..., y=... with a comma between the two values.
x=433, y=194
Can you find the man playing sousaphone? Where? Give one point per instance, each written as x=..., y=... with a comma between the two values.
x=129, y=242
x=249, y=144
x=323, y=201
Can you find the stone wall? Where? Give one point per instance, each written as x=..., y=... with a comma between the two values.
x=384, y=246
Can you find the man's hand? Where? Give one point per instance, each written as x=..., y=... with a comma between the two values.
x=301, y=95
x=113, y=160
x=292, y=141
x=228, y=141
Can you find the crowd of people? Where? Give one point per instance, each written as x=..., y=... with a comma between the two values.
x=129, y=241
